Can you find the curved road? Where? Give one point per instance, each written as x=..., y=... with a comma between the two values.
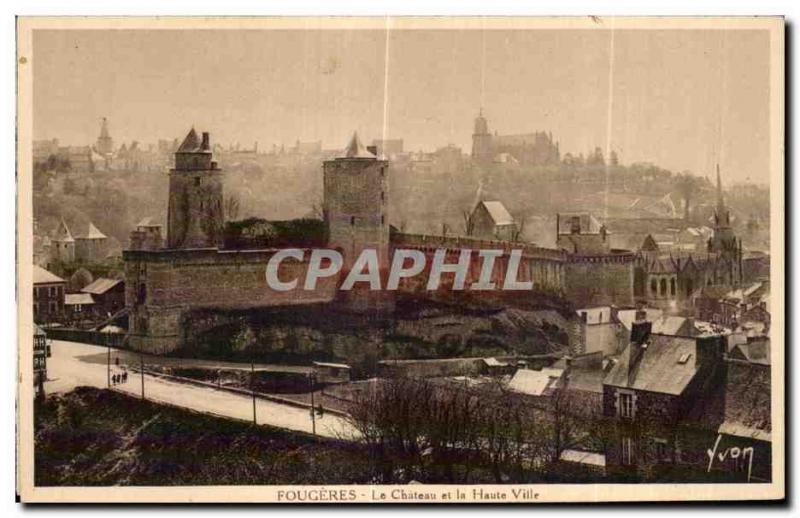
x=75, y=364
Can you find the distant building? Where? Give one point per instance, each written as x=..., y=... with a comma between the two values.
x=48, y=296
x=530, y=149
x=582, y=234
x=388, y=147
x=105, y=144
x=91, y=246
x=62, y=246
x=491, y=220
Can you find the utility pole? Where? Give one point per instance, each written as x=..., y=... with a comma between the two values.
x=108, y=362
x=252, y=389
x=313, y=417
x=141, y=368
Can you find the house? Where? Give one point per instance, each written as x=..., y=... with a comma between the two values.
x=734, y=423
x=108, y=295
x=491, y=220
x=599, y=331
x=48, y=296
x=79, y=306
x=651, y=388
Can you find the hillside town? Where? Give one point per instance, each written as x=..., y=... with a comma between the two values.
x=643, y=345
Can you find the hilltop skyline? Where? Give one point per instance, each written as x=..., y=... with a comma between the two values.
x=280, y=86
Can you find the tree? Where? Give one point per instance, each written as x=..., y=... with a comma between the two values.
x=687, y=185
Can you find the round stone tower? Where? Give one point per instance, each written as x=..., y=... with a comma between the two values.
x=356, y=217
x=195, y=217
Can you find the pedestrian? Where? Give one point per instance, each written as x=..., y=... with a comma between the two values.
x=125, y=377
x=116, y=360
x=113, y=379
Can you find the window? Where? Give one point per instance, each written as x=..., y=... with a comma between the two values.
x=52, y=307
x=672, y=287
x=383, y=220
x=35, y=293
x=352, y=220
x=663, y=288
x=653, y=287
x=627, y=451
x=660, y=449
x=626, y=406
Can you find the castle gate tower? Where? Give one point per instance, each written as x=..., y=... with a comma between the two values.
x=195, y=217
x=355, y=211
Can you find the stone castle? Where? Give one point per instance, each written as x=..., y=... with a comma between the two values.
x=168, y=279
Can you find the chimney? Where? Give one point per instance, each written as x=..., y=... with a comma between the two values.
x=206, y=145
x=709, y=350
x=690, y=328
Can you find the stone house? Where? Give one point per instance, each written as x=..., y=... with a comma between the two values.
x=48, y=296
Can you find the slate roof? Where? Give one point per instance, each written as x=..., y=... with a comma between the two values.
x=72, y=299
x=101, y=285
x=659, y=369
x=741, y=404
x=355, y=149
x=93, y=233
x=498, y=212
x=42, y=276
x=63, y=234
x=535, y=383
x=191, y=144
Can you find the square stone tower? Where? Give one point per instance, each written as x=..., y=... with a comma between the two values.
x=195, y=217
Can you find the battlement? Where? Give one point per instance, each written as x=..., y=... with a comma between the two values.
x=432, y=242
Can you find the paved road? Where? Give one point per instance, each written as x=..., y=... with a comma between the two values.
x=74, y=364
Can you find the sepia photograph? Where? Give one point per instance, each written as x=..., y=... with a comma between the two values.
x=400, y=259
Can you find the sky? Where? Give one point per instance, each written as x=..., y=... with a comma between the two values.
x=682, y=99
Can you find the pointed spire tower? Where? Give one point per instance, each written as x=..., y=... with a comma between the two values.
x=105, y=144
x=724, y=240
x=63, y=244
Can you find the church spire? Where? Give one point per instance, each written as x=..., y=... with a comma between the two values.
x=720, y=200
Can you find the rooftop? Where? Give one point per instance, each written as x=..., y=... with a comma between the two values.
x=535, y=383
x=355, y=149
x=42, y=276
x=498, y=212
x=73, y=299
x=101, y=285
x=667, y=365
